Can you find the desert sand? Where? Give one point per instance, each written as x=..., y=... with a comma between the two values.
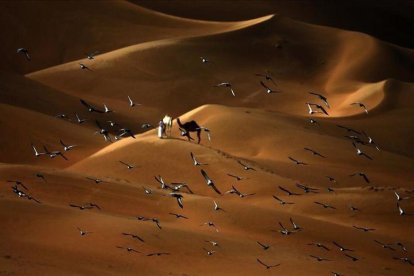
x=153, y=56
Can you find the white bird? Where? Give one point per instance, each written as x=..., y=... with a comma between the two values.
x=67, y=147
x=400, y=210
x=131, y=103
x=147, y=191
x=79, y=120
x=209, y=182
x=213, y=243
x=209, y=252
x=83, y=67
x=195, y=161
x=82, y=232
x=226, y=84
x=204, y=60
x=107, y=110
x=36, y=152
x=127, y=165
x=360, y=152
x=318, y=106
x=399, y=198
x=92, y=55
x=268, y=89
x=217, y=207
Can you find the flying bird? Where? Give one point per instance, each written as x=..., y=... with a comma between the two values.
x=268, y=89
x=91, y=56
x=217, y=207
x=267, y=76
x=363, y=175
x=103, y=131
x=83, y=67
x=318, y=106
x=245, y=167
x=67, y=147
x=228, y=85
x=319, y=245
x=90, y=108
x=79, y=120
x=195, y=161
x=178, y=215
x=134, y=236
x=319, y=259
x=210, y=224
x=131, y=102
x=36, y=152
x=129, y=249
x=371, y=141
x=342, y=248
x=287, y=191
x=24, y=52
x=282, y=202
x=96, y=180
x=18, y=183
x=360, y=152
x=323, y=98
x=179, y=199
x=314, y=152
x=126, y=132
x=209, y=182
x=157, y=254
x=53, y=154
x=106, y=109
x=82, y=232
x=385, y=246
x=130, y=167
x=265, y=265
x=297, y=161
x=238, y=178
x=365, y=229
x=326, y=206
x=361, y=105
x=399, y=198
x=295, y=226
x=264, y=246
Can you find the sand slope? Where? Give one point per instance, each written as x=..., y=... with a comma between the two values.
x=155, y=59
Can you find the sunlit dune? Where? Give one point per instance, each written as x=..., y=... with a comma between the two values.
x=304, y=166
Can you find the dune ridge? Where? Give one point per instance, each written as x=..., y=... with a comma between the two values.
x=155, y=58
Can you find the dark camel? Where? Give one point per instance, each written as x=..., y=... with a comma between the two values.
x=188, y=127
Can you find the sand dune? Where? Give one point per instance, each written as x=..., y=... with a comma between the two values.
x=155, y=59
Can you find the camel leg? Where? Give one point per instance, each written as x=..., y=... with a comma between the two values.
x=199, y=136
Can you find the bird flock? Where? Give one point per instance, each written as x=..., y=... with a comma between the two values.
x=359, y=142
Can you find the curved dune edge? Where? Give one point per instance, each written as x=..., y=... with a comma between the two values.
x=233, y=26
x=342, y=84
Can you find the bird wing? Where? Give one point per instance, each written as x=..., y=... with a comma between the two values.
x=215, y=189
x=206, y=177
x=366, y=178
x=294, y=160
x=323, y=109
x=260, y=262
x=180, y=202
x=232, y=92
x=283, y=189
x=63, y=156
x=278, y=199
x=264, y=85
